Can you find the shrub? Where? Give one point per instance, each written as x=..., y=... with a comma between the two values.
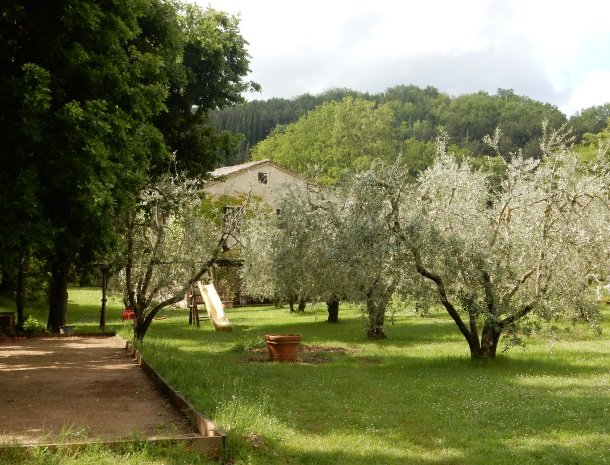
x=33, y=326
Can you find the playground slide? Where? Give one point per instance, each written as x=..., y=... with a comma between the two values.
x=214, y=307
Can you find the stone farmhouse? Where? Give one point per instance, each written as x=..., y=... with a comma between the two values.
x=264, y=180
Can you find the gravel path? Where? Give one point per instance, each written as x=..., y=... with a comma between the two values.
x=79, y=388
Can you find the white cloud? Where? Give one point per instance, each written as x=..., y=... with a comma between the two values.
x=593, y=90
x=548, y=50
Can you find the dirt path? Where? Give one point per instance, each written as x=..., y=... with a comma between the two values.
x=80, y=387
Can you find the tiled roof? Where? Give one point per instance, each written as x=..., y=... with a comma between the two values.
x=226, y=170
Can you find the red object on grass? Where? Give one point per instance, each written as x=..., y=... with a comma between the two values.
x=128, y=314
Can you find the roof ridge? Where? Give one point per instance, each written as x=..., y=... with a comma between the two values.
x=226, y=170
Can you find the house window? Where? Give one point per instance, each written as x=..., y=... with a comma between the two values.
x=262, y=177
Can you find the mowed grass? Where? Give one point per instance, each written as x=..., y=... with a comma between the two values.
x=415, y=398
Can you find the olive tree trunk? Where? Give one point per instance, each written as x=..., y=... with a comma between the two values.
x=333, y=310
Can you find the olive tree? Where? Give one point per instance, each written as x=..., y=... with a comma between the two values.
x=286, y=254
x=332, y=245
x=497, y=259
x=370, y=249
x=498, y=255
x=168, y=244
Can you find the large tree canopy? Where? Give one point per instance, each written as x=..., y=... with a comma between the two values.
x=84, y=89
x=208, y=76
x=76, y=98
x=499, y=259
x=334, y=139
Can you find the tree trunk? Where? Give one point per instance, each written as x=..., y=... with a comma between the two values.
x=301, y=307
x=377, y=301
x=489, y=342
x=333, y=310
x=141, y=322
x=20, y=292
x=58, y=293
x=376, y=311
x=291, y=304
x=141, y=326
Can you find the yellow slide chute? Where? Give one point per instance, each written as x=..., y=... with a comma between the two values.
x=214, y=307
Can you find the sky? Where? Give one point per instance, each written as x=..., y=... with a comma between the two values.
x=553, y=51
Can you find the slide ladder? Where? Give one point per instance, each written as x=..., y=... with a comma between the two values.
x=194, y=299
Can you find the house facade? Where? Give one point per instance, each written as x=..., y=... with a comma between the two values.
x=264, y=180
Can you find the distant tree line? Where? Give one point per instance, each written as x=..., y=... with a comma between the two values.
x=255, y=120
x=420, y=114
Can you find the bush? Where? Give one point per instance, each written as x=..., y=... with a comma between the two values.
x=33, y=326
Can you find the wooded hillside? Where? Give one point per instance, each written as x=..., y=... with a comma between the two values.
x=420, y=114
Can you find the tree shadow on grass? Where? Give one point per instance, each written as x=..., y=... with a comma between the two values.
x=280, y=454
x=516, y=404
x=494, y=439
x=499, y=420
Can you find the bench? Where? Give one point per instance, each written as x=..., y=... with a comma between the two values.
x=7, y=319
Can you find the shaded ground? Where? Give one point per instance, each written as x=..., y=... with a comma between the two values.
x=81, y=388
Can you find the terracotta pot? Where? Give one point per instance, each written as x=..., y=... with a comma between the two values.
x=283, y=347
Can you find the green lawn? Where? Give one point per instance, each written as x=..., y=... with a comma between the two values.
x=415, y=398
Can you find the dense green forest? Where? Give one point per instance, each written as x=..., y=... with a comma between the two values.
x=98, y=102
x=420, y=114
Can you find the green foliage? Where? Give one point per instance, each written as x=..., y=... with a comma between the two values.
x=333, y=140
x=469, y=118
x=417, y=155
x=257, y=119
x=590, y=121
x=594, y=146
x=213, y=209
x=94, y=96
x=417, y=113
x=209, y=75
x=76, y=76
x=33, y=326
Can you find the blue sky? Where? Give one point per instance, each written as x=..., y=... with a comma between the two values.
x=553, y=51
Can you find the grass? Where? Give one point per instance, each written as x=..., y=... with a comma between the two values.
x=415, y=398
x=132, y=454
